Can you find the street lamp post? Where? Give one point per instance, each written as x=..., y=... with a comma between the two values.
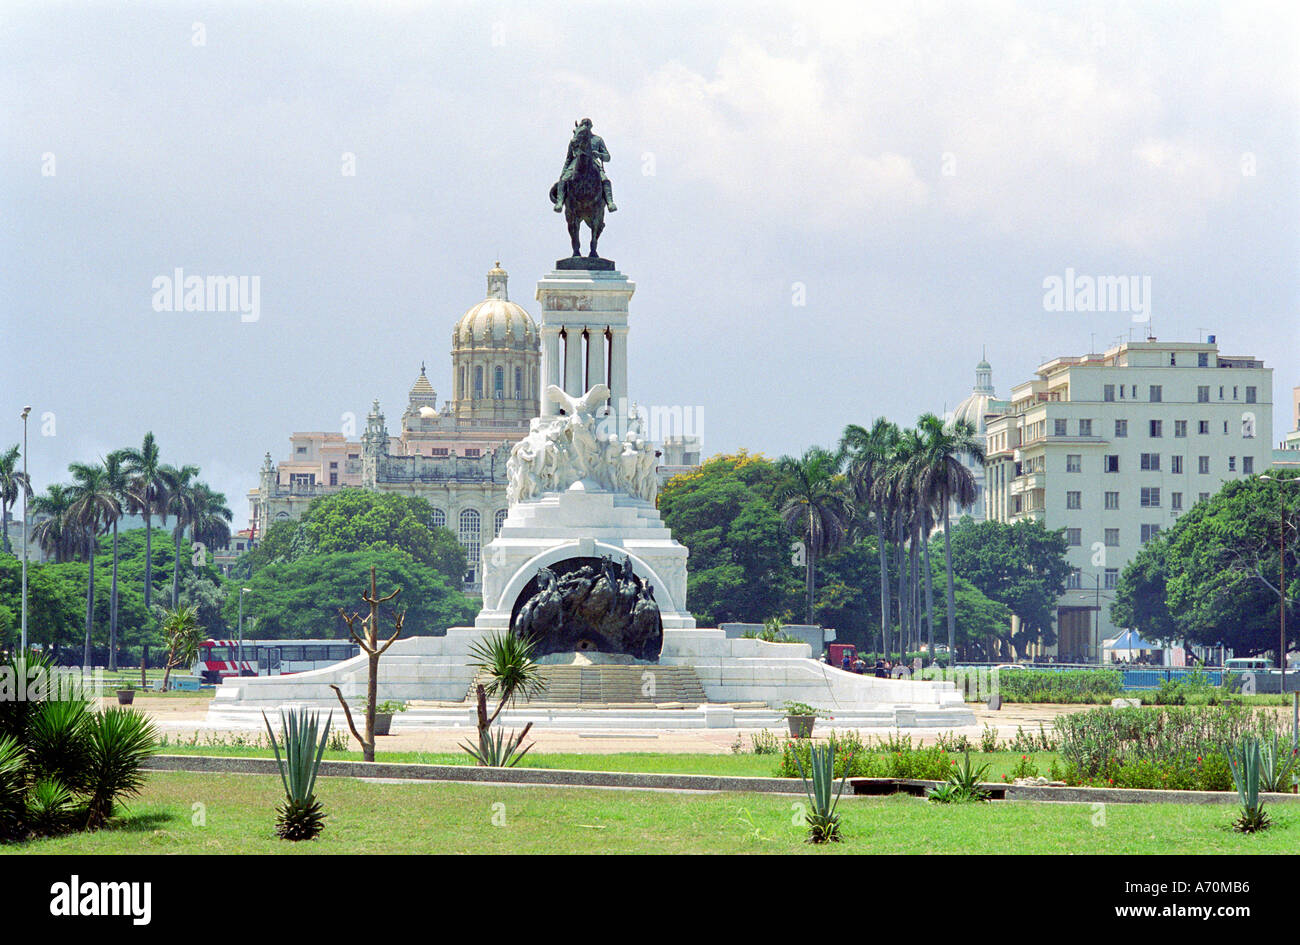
x=239, y=648
x=26, y=490
x=1281, y=607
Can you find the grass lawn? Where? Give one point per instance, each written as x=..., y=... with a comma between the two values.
x=744, y=765
x=392, y=817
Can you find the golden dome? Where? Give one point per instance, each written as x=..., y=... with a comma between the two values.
x=496, y=321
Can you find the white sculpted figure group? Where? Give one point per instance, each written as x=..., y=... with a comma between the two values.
x=559, y=451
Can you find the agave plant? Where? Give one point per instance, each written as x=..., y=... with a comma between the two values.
x=300, y=817
x=13, y=784
x=497, y=749
x=823, y=822
x=963, y=783
x=1247, y=761
x=52, y=809
x=1278, y=764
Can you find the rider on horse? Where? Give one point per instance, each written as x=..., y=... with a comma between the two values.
x=594, y=146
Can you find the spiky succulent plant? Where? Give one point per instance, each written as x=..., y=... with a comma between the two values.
x=301, y=816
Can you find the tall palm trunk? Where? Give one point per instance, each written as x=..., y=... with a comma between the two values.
x=884, y=582
x=176, y=566
x=148, y=557
x=90, y=604
x=4, y=523
x=915, y=630
x=947, y=563
x=929, y=600
x=810, y=575
x=900, y=556
x=112, y=609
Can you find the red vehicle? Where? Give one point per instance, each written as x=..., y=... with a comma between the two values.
x=837, y=652
x=220, y=658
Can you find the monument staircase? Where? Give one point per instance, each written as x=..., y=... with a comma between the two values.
x=615, y=685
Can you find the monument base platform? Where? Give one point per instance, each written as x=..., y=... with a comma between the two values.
x=584, y=264
x=744, y=681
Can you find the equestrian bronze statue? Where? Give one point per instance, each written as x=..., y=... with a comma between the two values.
x=583, y=191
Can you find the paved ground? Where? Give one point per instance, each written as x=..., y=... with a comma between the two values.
x=184, y=718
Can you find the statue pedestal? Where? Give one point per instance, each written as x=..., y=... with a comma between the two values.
x=584, y=332
x=580, y=523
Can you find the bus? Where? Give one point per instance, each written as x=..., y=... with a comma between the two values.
x=218, y=659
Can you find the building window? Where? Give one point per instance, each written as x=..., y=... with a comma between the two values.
x=1149, y=532
x=1248, y=427
x=1112, y=579
x=1202, y=497
x=1232, y=464
x=497, y=521
x=1203, y=426
x=1121, y=428
x=478, y=381
x=470, y=535
x=334, y=479
x=439, y=451
x=1112, y=463
x=1176, y=465
x=499, y=383
x=1202, y=359
x=1155, y=393
x=1180, y=428
x=1176, y=501
x=519, y=383
x=1150, y=498
x=472, y=452
x=1151, y=462
x=1203, y=394
x=1074, y=500
x=1074, y=537
x=1085, y=428
x=1248, y=465
x=1074, y=580
x=1108, y=393
x=1203, y=465
x=301, y=451
x=1112, y=500
x=1058, y=427
x=1112, y=537
x=1156, y=428
x=1251, y=394
x=438, y=518
x=1073, y=462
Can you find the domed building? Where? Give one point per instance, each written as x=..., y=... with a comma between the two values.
x=453, y=457
x=495, y=356
x=982, y=401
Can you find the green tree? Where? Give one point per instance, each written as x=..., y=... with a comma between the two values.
x=1141, y=595
x=53, y=602
x=301, y=599
x=739, y=568
x=1021, y=565
x=116, y=478
x=148, y=496
x=13, y=484
x=181, y=503
x=814, y=505
x=869, y=453
x=942, y=478
x=93, y=506
x=54, y=533
x=182, y=633
x=1223, y=563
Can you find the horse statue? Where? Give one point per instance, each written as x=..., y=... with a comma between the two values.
x=583, y=191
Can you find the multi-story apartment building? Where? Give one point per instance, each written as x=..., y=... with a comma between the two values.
x=1113, y=448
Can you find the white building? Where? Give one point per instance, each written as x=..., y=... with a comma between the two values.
x=1113, y=448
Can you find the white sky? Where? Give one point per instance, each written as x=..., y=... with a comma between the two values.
x=754, y=147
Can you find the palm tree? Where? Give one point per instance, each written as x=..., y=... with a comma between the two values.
x=181, y=503
x=148, y=494
x=868, y=453
x=93, y=506
x=115, y=475
x=13, y=483
x=183, y=633
x=943, y=476
x=212, y=517
x=894, y=490
x=815, y=506
x=54, y=534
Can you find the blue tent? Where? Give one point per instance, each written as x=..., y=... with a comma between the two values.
x=1129, y=640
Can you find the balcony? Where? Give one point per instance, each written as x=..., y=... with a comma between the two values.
x=1028, y=482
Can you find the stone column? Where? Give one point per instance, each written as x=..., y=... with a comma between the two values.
x=595, y=357
x=573, y=360
x=550, y=366
x=618, y=368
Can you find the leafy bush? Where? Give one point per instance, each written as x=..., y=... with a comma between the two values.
x=962, y=783
x=1060, y=686
x=1180, y=747
x=852, y=759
